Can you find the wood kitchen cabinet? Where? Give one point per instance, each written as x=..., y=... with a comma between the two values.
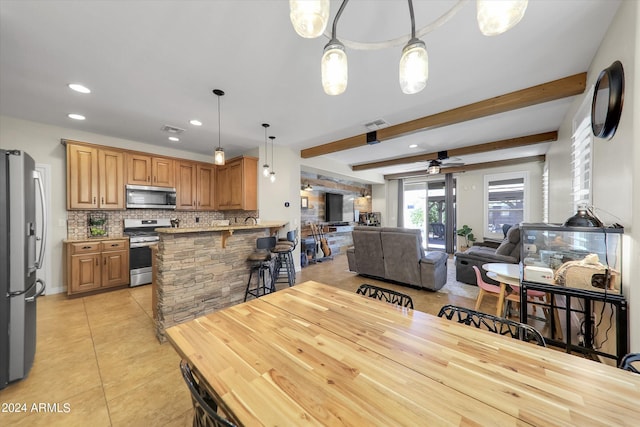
x=93, y=265
x=237, y=184
x=148, y=170
x=95, y=177
x=195, y=186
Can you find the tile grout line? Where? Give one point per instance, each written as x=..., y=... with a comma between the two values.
x=95, y=353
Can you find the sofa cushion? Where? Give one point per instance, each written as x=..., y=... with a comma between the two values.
x=368, y=252
x=402, y=254
x=510, y=246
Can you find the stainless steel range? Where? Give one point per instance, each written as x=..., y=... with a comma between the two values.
x=142, y=236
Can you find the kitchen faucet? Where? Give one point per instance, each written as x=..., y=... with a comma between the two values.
x=255, y=221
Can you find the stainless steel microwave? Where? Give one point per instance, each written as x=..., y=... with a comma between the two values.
x=148, y=197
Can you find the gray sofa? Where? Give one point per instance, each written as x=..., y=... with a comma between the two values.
x=396, y=254
x=508, y=252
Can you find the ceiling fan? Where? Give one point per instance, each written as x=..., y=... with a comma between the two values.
x=435, y=165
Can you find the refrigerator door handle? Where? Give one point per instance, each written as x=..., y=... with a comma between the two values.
x=33, y=298
x=43, y=240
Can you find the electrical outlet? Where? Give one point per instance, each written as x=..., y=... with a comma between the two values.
x=197, y=219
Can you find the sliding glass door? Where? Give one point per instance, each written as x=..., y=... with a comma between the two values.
x=425, y=208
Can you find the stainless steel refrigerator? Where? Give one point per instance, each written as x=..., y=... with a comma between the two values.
x=20, y=184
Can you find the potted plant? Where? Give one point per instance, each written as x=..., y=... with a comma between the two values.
x=466, y=233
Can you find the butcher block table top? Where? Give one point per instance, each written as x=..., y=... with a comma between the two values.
x=314, y=354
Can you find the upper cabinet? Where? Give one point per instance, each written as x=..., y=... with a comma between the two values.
x=148, y=170
x=95, y=177
x=237, y=184
x=194, y=186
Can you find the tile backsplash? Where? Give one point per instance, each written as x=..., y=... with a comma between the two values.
x=77, y=221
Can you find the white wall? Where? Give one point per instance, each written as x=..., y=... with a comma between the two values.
x=42, y=142
x=273, y=196
x=470, y=195
x=616, y=164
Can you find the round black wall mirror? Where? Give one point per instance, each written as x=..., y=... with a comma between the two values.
x=608, y=97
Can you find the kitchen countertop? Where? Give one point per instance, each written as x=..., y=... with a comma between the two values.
x=231, y=228
x=95, y=239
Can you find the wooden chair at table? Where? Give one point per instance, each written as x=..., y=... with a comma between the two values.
x=628, y=361
x=387, y=295
x=205, y=409
x=495, y=324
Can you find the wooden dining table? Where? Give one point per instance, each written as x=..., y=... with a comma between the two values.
x=315, y=355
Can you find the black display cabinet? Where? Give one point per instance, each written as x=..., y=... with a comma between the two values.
x=580, y=270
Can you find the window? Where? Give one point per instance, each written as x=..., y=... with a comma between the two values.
x=505, y=202
x=545, y=192
x=581, y=142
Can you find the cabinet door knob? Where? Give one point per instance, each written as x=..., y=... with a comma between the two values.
x=102, y=200
x=149, y=178
x=86, y=247
x=105, y=261
x=94, y=200
x=97, y=261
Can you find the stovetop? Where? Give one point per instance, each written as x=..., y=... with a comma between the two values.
x=143, y=230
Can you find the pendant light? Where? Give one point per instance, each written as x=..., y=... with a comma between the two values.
x=335, y=72
x=496, y=17
x=218, y=157
x=265, y=167
x=309, y=17
x=434, y=167
x=414, y=62
x=272, y=175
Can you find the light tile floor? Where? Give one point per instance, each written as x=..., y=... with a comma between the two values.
x=98, y=357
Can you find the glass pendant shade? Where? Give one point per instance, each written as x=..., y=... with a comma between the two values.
x=218, y=157
x=309, y=17
x=414, y=67
x=334, y=68
x=495, y=17
x=265, y=170
x=272, y=177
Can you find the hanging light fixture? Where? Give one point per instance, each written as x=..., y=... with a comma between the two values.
x=265, y=167
x=496, y=17
x=307, y=187
x=218, y=157
x=434, y=167
x=414, y=63
x=272, y=175
x=335, y=72
x=308, y=16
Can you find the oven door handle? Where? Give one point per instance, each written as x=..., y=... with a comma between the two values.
x=142, y=245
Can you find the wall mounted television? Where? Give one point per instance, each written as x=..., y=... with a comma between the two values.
x=333, y=207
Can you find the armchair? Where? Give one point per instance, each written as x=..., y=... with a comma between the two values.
x=507, y=252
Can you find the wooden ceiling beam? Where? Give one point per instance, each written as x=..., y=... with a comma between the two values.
x=546, y=92
x=473, y=149
x=472, y=167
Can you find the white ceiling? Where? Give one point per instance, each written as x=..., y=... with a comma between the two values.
x=155, y=63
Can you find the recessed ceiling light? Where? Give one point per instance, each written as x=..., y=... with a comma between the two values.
x=174, y=139
x=195, y=122
x=76, y=116
x=79, y=88
x=413, y=146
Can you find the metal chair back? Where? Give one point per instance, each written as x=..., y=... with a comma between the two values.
x=495, y=324
x=204, y=407
x=388, y=295
x=627, y=362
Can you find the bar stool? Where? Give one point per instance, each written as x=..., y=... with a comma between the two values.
x=284, y=251
x=261, y=263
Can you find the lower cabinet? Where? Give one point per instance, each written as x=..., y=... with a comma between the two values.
x=96, y=264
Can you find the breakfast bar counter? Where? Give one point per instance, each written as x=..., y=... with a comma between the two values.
x=201, y=270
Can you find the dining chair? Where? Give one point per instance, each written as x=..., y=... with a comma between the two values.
x=387, y=295
x=205, y=409
x=487, y=288
x=495, y=324
x=628, y=360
